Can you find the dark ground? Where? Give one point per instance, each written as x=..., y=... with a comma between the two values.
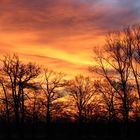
x=69, y=131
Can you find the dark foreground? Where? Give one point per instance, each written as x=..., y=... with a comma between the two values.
x=69, y=131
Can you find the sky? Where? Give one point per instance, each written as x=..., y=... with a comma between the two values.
x=62, y=34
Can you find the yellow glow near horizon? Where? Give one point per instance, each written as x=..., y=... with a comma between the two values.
x=50, y=55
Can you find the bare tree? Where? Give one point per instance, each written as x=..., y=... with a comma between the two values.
x=18, y=76
x=114, y=65
x=27, y=75
x=82, y=91
x=131, y=41
x=52, y=88
x=108, y=98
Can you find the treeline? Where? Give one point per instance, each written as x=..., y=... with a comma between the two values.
x=31, y=94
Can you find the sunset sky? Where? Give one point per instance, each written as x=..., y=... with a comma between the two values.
x=61, y=34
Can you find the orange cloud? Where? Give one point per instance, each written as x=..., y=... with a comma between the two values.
x=61, y=34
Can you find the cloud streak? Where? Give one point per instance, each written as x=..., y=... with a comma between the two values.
x=62, y=29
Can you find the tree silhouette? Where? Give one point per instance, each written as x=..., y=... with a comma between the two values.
x=82, y=91
x=108, y=98
x=5, y=99
x=114, y=65
x=52, y=86
x=18, y=77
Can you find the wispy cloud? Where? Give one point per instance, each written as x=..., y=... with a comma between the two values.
x=69, y=28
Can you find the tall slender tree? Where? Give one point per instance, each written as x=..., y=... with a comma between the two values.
x=52, y=86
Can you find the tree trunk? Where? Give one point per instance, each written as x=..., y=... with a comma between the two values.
x=17, y=116
x=80, y=117
x=6, y=104
x=48, y=115
x=16, y=110
x=126, y=119
x=22, y=110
